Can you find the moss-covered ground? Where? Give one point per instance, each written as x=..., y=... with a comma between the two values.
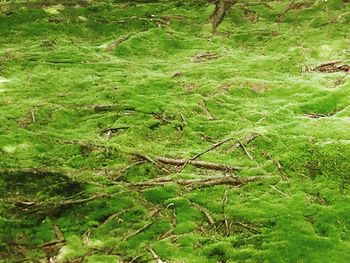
x=84, y=87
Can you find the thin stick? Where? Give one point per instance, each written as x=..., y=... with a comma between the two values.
x=224, y=202
x=137, y=231
x=205, y=212
x=206, y=182
x=246, y=150
x=149, y=159
x=279, y=191
x=32, y=113
x=154, y=255
x=199, y=164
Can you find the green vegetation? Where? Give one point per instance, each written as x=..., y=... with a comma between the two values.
x=89, y=91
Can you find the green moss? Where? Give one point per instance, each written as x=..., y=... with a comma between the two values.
x=80, y=112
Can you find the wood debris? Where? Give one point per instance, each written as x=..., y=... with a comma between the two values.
x=117, y=42
x=202, y=182
x=198, y=164
x=203, y=57
x=328, y=67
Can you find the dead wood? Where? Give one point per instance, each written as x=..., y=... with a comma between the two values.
x=205, y=212
x=251, y=228
x=53, y=243
x=242, y=142
x=154, y=255
x=150, y=160
x=116, y=215
x=202, y=183
x=220, y=11
x=331, y=67
x=110, y=132
x=118, y=42
x=137, y=231
x=47, y=207
x=256, y=4
x=151, y=216
x=205, y=109
x=165, y=20
x=213, y=147
x=224, y=202
x=245, y=150
x=278, y=190
x=203, y=57
x=293, y=6
x=198, y=164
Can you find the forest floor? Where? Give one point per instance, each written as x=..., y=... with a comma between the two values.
x=131, y=133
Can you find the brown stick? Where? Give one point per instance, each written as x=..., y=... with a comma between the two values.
x=149, y=159
x=246, y=140
x=199, y=164
x=224, y=202
x=214, y=146
x=154, y=255
x=245, y=150
x=205, y=212
x=206, y=182
x=137, y=231
x=117, y=42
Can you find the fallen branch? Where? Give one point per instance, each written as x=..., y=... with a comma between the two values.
x=245, y=150
x=244, y=141
x=293, y=6
x=213, y=147
x=329, y=67
x=278, y=190
x=31, y=207
x=116, y=215
x=137, y=231
x=199, y=183
x=203, y=57
x=117, y=42
x=205, y=109
x=154, y=255
x=150, y=160
x=199, y=164
x=224, y=202
x=205, y=212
